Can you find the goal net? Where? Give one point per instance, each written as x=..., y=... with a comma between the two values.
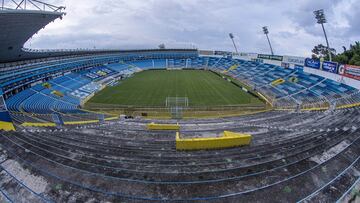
x=176, y=106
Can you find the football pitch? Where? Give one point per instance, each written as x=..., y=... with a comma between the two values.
x=151, y=88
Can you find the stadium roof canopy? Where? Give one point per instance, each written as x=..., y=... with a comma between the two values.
x=24, y=18
x=20, y=21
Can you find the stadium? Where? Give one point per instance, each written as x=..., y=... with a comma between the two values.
x=171, y=125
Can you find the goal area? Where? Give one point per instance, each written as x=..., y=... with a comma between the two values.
x=176, y=106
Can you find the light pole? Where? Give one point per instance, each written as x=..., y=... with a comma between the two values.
x=232, y=39
x=266, y=32
x=320, y=17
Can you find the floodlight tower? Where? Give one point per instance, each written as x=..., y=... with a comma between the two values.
x=266, y=32
x=232, y=39
x=320, y=17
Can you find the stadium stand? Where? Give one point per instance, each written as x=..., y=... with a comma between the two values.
x=300, y=148
x=304, y=149
x=297, y=90
x=279, y=161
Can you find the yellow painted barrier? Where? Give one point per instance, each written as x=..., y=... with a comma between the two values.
x=277, y=82
x=282, y=109
x=7, y=126
x=233, y=67
x=26, y=124
x=46, y=85
x=111, y=118
x=57, y=93
x=348, y=106
x=81, y=122
x=315, y=109
x=264, y=98
x=228, y=140
x=154, y=126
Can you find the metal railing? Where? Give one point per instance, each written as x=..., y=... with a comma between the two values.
x=192, y=111
x=29, y=5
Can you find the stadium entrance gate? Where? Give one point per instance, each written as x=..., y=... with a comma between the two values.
x=176, y=106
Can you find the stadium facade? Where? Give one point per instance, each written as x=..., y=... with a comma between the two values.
x=304, y=148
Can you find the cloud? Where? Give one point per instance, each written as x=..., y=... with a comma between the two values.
x=127, y=24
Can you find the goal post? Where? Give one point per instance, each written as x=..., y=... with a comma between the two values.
x=176, y=106
x=177, y=101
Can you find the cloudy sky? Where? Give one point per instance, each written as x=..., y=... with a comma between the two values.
x=205, y=24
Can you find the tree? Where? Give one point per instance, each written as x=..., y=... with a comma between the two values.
x=341, y=58
x=355, y=60
x=349, y=56
x=321, y=51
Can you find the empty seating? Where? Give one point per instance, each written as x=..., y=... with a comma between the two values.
x=298, y=89
x=290, y=154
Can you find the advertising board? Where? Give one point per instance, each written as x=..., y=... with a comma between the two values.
x=350, y=71
x=270, y=57
x=312, y=63
x=294, y=60
x=331, y=67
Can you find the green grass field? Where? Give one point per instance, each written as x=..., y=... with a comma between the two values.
x=151, y=88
